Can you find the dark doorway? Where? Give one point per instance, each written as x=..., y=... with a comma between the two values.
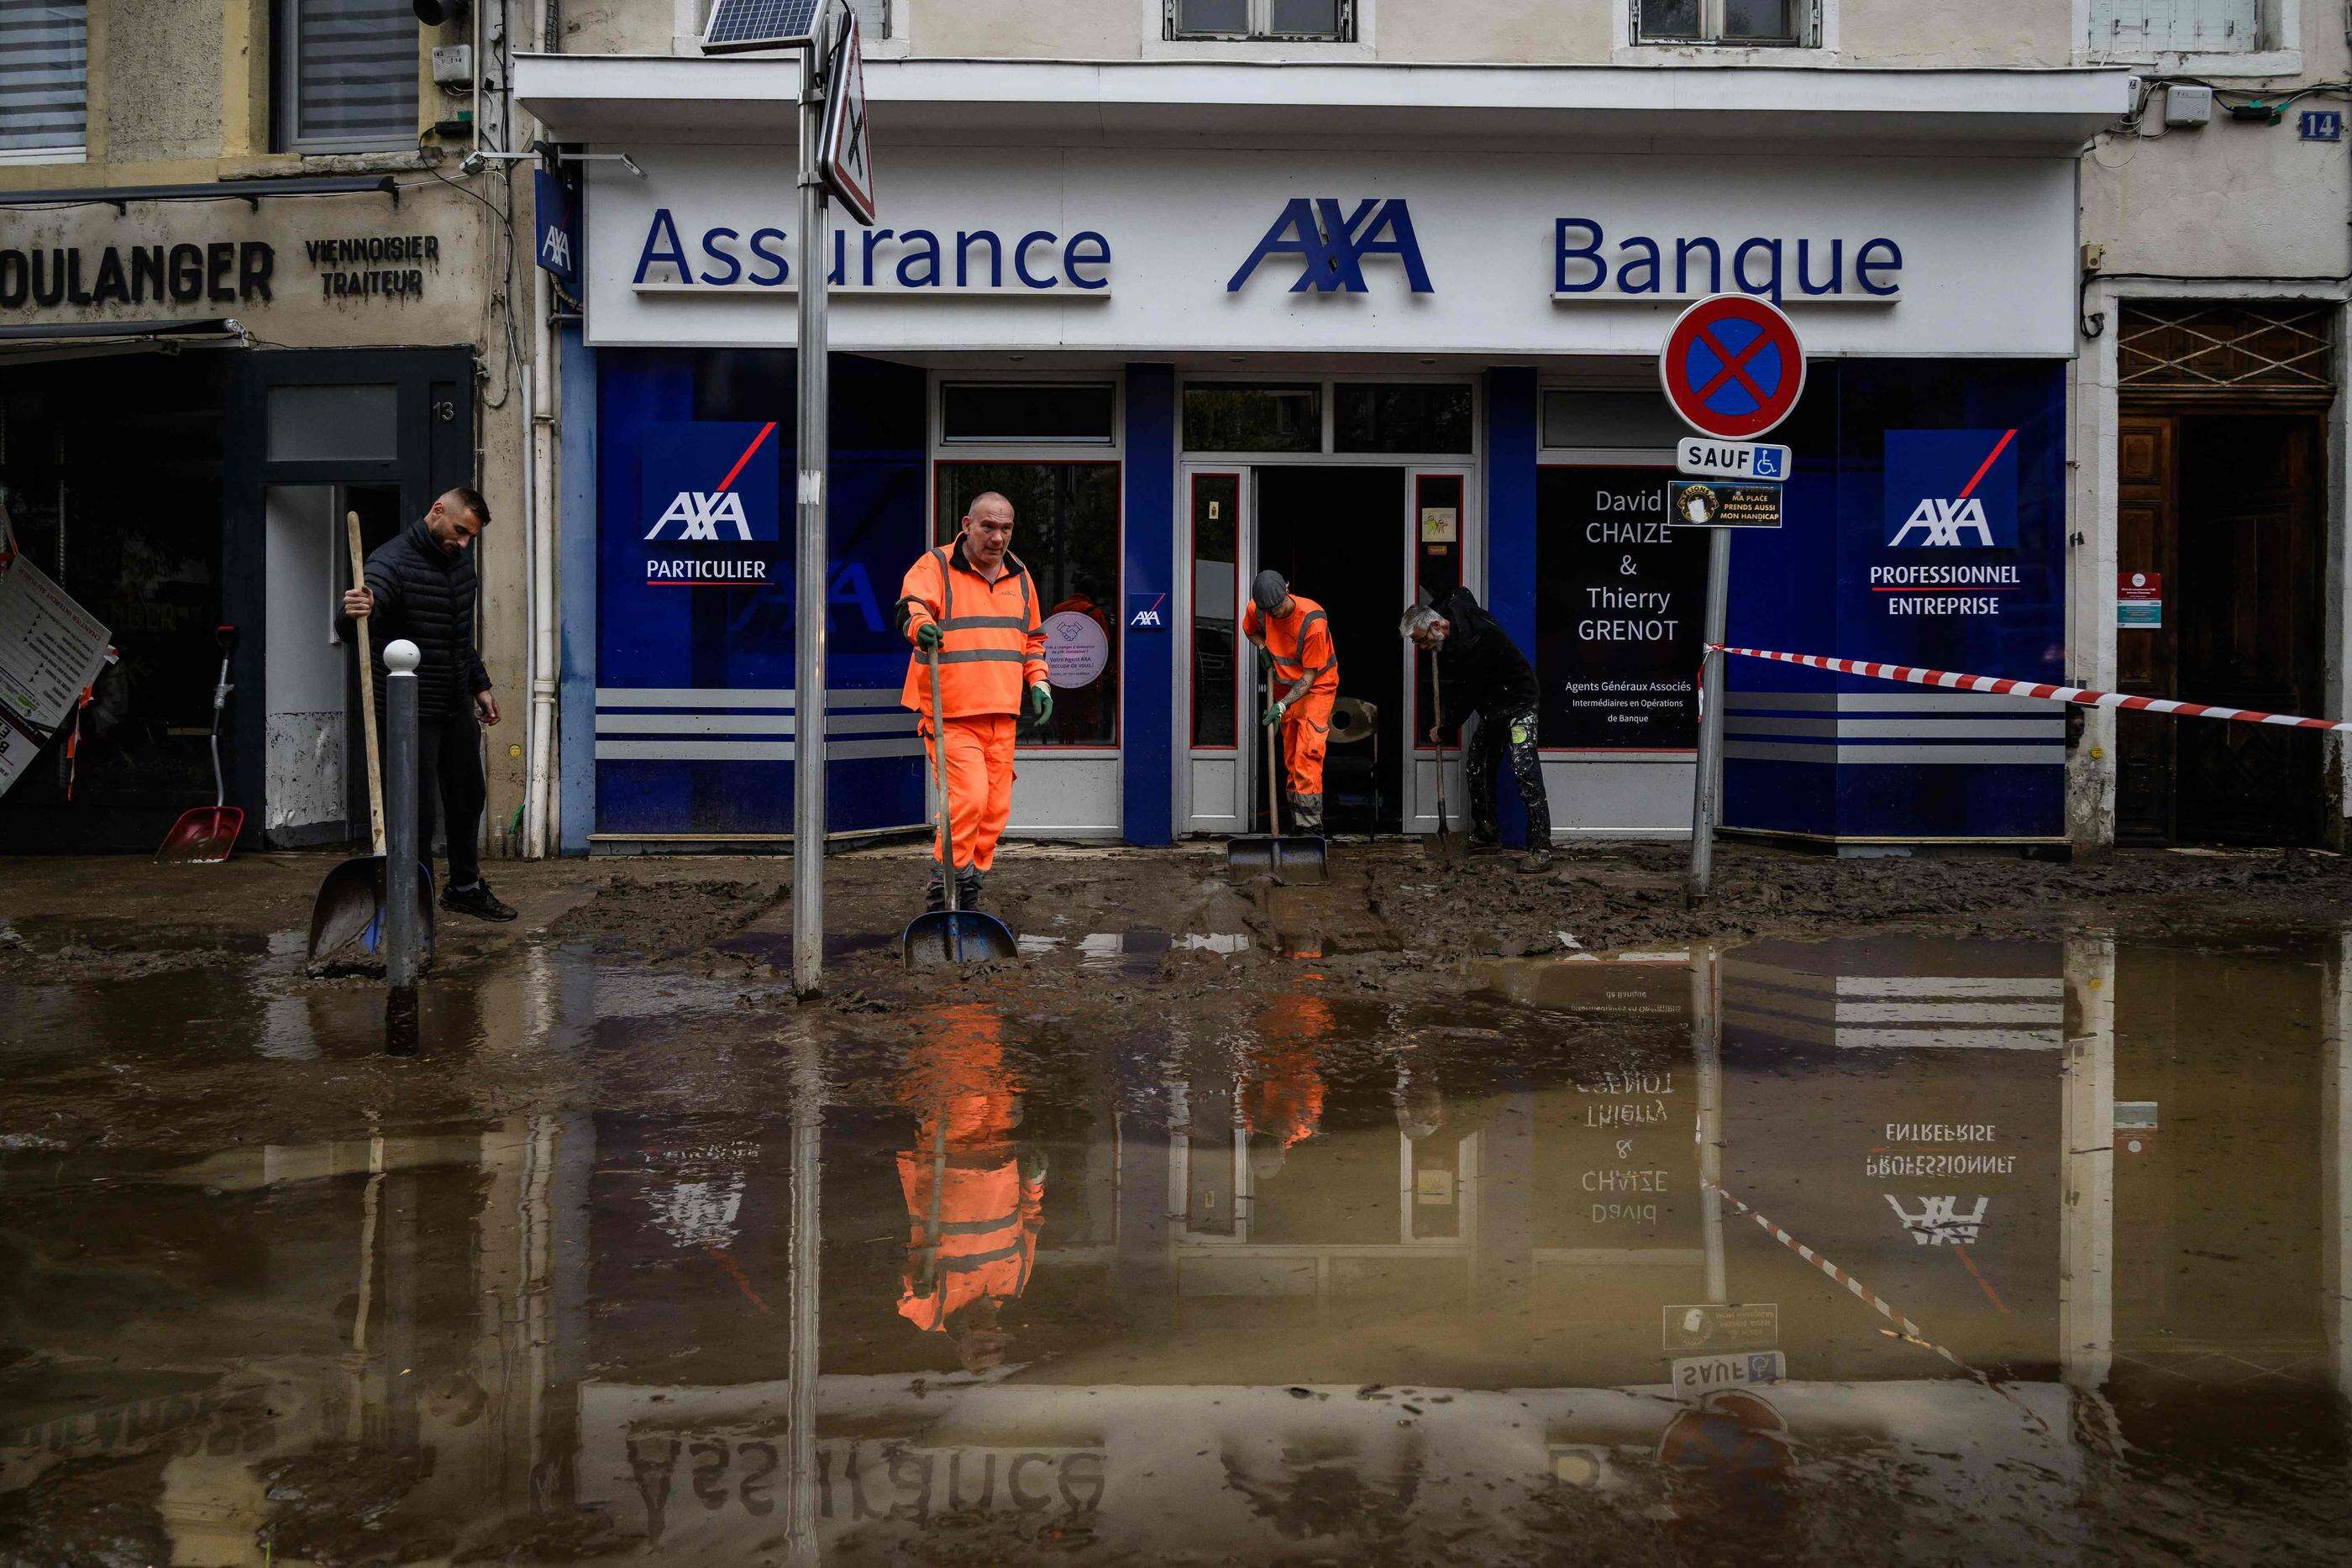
x=1335, y=533
x=2223, y=510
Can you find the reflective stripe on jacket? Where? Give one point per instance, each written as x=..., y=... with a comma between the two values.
x=993, y=644
x=989, y=1220
x=1305, y=657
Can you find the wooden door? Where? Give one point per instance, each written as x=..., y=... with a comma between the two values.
x=2249, y=556
x=2147, y=657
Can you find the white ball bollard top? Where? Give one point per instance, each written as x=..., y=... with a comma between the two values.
x=401, y=656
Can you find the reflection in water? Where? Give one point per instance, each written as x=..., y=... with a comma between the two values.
x=1360, y=1279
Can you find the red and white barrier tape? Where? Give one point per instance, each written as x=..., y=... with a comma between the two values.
x=2082, y=696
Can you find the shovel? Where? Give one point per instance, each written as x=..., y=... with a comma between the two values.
x=1287, y=858
x=206, y=834
x=1445, y=844
x=349, y=906
x=938, y=938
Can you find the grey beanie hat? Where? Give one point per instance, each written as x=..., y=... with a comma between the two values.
x=1270, y=590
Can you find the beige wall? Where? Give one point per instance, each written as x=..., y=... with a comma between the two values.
x=1985, y=32
x=1075, y=29
x=618, y=26
x=1497, y=30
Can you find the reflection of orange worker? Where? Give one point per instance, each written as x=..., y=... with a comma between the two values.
x=975, y=1201
x=1282, y=1087
x=974, y=602
x=1295, y=635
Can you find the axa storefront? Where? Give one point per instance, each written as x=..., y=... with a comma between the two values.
x=1381, y=330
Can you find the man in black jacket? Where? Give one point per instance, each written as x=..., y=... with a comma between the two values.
x=1482, y=672
x=420, y=585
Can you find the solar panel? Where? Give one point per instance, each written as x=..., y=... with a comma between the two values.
x=758, y=24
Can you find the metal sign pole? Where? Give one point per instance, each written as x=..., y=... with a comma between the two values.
x=1706, y=796
x=808, y=665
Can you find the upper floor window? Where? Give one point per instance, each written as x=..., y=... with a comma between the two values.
x=2141, y=29
x=1752, y=23
x=347, y=74
x=1332, y=21
x=44, y=80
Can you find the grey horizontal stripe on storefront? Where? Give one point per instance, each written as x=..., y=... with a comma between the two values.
x=2051, y=754
x=1888, y=702
x=900, y=723
x=747, y=750
x=985, y=656
x=2037, y=728
x=746, y=697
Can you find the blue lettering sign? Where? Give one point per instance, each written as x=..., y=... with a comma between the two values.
x=1331, y=246
x=1761, y=265
x=915, y=260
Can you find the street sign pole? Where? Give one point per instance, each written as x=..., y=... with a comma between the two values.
x=1732, y=369
x=1706, y=796
x=808, y=663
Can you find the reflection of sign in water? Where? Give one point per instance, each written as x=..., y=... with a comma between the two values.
x=1076, y=649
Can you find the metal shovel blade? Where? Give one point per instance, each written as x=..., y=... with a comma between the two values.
x=347, y=917
x=943, y=938
x=1291, y=858
x=1447, y=845
x=203, y=836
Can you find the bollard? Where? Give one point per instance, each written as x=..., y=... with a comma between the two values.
x=403, y=939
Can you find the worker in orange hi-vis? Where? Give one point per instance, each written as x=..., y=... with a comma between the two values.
x=975, y=1197
x=973, y=602
x=1294, y=636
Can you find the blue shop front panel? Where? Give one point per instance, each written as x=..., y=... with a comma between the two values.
x=697, y=692
x=1924, y=526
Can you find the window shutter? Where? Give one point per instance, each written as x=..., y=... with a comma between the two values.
x=356, y=70
x=43, y=75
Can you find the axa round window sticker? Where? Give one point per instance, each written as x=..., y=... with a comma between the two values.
x=1732, y=367
x=1078, y=649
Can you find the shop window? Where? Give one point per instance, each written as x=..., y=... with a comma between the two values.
x=2142, y=29
x=1028, y=412
x=1743, y=22
x=328, y=423
x=1405, y=418
x=1216, y=594
x=1578, y=418
x=1331, y=21
x=347, y=74
x=1231, y=417
x=44, y=80
x=1066, y=530
x=1617, y=649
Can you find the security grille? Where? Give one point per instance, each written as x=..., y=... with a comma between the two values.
x=2203, y=349
x=44, y=77
x=2142, y=29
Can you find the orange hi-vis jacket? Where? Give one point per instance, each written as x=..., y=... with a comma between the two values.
x=989, y=1220
x=992, y=647
x=1301, y=646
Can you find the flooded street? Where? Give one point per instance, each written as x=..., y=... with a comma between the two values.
x=1199, y=1237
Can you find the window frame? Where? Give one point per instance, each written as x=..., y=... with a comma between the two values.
x=1807, y=34
x=286, y=95
x=77, y=151
x=1108, y=441
x=1260, y=29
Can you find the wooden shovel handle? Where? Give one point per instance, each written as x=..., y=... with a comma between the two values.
x=367, y=689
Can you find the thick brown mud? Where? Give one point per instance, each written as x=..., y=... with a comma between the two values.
x=1899, y=1211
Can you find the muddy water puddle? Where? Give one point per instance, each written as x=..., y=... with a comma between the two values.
x=1883, y=1248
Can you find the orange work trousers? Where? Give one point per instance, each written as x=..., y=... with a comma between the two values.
x=1306, y=737
x=980, y=784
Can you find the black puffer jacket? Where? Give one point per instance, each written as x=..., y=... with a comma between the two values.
x=1481, y=667
x=426, y=594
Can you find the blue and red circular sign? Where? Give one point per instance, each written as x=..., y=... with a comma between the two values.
x=1732, y=366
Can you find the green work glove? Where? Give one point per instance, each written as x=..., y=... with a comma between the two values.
x=929, y=636
x=1041, y=704
x=1264, y=662
x=1273, y=715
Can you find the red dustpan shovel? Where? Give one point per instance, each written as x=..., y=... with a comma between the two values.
x=206, y=834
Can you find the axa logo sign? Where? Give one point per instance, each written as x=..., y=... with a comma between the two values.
x=710, y=500
x=1951, y=489
x=1333, y=243
x=699, y=513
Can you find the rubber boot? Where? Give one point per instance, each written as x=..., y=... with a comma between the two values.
x=1307, y=814
x=935, y=894
x=968, y=883
x=1537, y=860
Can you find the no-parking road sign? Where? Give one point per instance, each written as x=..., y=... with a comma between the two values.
x=1732, y=366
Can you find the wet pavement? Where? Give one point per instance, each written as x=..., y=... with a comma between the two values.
x=1181, y=1241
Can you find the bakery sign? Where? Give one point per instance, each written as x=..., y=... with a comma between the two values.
x=214, y=271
